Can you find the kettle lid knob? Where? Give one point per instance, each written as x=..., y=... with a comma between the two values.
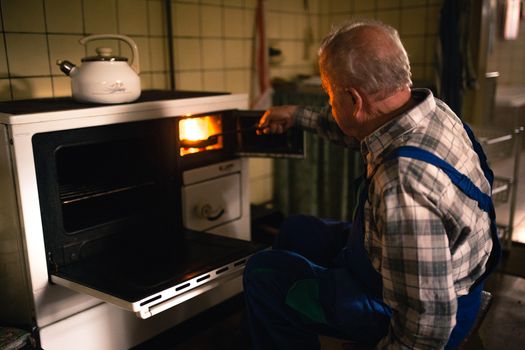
x=104, y=51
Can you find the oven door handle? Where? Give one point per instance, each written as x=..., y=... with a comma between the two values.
x=234, y=277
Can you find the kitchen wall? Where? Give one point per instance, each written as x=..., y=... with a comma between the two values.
x=416, y=20
x=212, y=43
x=508, y=58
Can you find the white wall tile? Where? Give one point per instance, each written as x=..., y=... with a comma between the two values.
x=61, y=86
x=233, y=53
x=249, y=23
x=5, y=90
x=211, y=21
x=418, y=72
x=237, y=81
x=293, y=5
x=415, y=47
x=214, y=80
x=342, y=5
x=99, y=16
x=260, y=167
x=146, y=81
x=233, y=3
x=413, y=21
x=364, y=6
x=27, y=54
x=212, y=50
x=187, y=54
x=157, y=18
x=143, y=49
x=25, y=88
x=233, y=23
x=274, y=5
x=160, y=81
x=409, y=3
x=324, y=7
x=64, y=47
x=23, y=16
x=64, y=16
x=342, y=18
x=212, y=2
x=288, y=26
x=261, y=190
x=4, y=71
x=158, y=54
x=133, y=17
x=433, y=15
x=189, y=81
x=273, y=25
x=186, y=19
x=430, y=49
x=388, y=4
x=247, y=47
x=250, y=4
x=390, y=17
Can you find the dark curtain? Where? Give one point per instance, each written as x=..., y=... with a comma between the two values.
x=323, y=184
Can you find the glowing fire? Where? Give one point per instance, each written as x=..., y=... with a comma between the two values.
x=194, y=129
x=199, y=128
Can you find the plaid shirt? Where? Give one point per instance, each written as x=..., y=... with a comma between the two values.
x=426, y=238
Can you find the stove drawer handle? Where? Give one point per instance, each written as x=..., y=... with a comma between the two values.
x=206, y=211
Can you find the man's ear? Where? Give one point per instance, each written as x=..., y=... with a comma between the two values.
x=357, y=99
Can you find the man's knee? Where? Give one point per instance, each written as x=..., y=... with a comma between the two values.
x=296, y=223
x=275, y=267
x=293, y=230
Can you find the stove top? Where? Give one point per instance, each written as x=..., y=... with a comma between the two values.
x=67, y=103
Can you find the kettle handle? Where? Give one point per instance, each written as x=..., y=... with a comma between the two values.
x=134, y=48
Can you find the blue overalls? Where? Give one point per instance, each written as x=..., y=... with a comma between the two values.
x=307, y=285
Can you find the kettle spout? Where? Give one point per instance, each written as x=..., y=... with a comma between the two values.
x=65, y=66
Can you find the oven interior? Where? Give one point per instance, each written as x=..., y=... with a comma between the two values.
x=111, y=205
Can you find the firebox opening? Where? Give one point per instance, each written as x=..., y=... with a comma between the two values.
x=196, y=134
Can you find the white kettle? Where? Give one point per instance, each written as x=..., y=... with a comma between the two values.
x=105, y=78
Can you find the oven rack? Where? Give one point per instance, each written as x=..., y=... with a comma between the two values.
x=73, y=193
x=503, y=146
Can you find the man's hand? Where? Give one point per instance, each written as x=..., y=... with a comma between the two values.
x=276, y=120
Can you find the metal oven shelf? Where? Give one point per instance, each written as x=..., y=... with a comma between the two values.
x=72, y=193
x=499, y=145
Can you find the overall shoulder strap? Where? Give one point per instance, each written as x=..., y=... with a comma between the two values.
x=460, y=180
x=467, y=187
x=481, y=154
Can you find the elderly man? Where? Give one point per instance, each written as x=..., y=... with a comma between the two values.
x=407, y=273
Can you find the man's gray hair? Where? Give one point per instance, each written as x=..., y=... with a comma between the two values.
x=375, y=66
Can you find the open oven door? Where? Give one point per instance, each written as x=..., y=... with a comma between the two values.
x=150, y=282
x=290, y=144
x=109, y=200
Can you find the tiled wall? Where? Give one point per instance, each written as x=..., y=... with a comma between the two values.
x=416, y=20
x=35, y=33
x=212, y=43
x=508, y=58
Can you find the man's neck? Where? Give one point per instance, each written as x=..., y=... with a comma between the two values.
x=392, y=106
x=382, y=111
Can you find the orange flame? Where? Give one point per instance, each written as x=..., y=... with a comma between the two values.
x=199, y=128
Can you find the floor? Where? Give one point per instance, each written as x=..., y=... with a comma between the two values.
x=502, y=328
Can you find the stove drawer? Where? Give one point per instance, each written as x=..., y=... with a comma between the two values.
x=211, y=203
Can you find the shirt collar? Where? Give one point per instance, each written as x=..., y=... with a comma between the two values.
x=374, y=144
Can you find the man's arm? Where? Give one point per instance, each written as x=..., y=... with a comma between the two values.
x=277, y=120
